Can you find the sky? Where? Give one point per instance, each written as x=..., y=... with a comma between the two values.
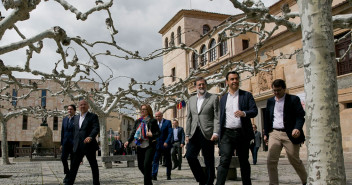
x=138, y=23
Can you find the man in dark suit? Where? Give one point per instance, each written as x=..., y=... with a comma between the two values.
x=178, y=141
x=163, y=146
x=117, y=146
x=255, y=144
x=84, y=142
x=283, y=126
x=202, y=131
x=236, y=110
x=67, y=130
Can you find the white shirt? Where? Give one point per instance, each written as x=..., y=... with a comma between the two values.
x=278, y=122
x=231, y=107
x=200, y=101
x=81, y=118
x=160, y=123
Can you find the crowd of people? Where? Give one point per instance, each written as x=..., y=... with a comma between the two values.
x=210, y=121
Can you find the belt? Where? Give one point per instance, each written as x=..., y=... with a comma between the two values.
x=176, y=141
x=234, y=129
x=280, y=130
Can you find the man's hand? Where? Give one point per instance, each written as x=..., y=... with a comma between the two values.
x=214, y=137
x=187, y=139
x=251, y=142
x=114, y=150
x=126, y=144
x=149, y=134
x=266, y=139
x=87, y=140
x=181, y=145
x=296, y=133
x=239, y=114
x=165, y=145
x=61, y=148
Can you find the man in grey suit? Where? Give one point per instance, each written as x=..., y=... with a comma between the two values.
x=201, y=131
x=255, y=144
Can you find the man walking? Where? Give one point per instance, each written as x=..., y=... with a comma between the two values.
x=117, y=146
x=283, y=127
x=201, y=131
x=237, y=107
x=255, y=145
x=178, y=141
x=84, y=143
x=163, y=146
x=67, y=130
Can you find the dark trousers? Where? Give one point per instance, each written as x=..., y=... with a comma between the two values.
x=231, y=140
x=195, y=144
x=254, y=151
x=76, y=161
x=145, y=159
x=176, y=153
x=166, y=152
x=66, y=151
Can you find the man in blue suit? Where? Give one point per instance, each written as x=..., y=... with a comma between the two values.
x=163, y=146
x=237, y=107
x=67, y=136
x=177, y=141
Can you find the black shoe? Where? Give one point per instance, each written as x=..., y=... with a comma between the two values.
x=179, y=168
x=174, y=167
x=168, y=178
x=154, y=177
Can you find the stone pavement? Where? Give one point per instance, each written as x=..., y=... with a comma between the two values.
x=51, y=173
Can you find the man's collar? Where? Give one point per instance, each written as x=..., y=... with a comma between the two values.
x=201, y=96
x=279, y=99
x=236, y=92
x=84, y=115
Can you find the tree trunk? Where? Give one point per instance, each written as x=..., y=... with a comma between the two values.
x=325, y=154
x=104, y=140
x=4, y=148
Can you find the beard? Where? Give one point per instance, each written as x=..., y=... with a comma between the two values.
x=201, y=91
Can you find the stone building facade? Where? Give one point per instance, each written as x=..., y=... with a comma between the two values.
x=20, y=129
x=192, y=27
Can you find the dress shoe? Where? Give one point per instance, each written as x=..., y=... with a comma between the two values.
x=174, y=167
x=179, y=168
x=168, y=178
x=154, y=177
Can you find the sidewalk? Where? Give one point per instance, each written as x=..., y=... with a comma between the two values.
x=51, y=173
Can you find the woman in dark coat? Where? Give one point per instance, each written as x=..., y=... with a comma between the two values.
x=145, y=132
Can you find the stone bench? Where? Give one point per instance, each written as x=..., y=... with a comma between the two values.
x=232, y=173
x=129, y=158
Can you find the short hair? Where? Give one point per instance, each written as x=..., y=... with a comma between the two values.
x=201, y=79
x=149, y=110
x=279, y=83
x=73, y=106
x=175, y=120
x=232, y=72
x=255, y=125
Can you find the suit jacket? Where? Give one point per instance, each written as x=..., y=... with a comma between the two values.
x=152, y=125
x=67, y=130
x=118, y=146
x=165, y=134
x=180, y=135
x=293, y=117
x=247, y=104
x=257, y=139
x=208, y=117
x=89, y=128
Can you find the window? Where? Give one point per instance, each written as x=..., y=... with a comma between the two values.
x=172, y=41
x=175, y=111
x=348, y=105
x=345, y=65
x=14, y=97
x=173, y=74
x=24, y=122
x=43, y=104
x=206, y=29
x=55, y=123
x=223, y=45
x=203, y=56
x=179, y=35
x=245, y=44
x=212, y=52
x=195, y=60
x=166, y=43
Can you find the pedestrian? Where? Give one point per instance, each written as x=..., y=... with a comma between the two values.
x=283, y=128
x=163, y=146
x=255, y=145
x=145, y=132
x=201, y=131
x=237, y=107
x=117, y=146
x=67, y=130
x=178, y=141
x=85, y=143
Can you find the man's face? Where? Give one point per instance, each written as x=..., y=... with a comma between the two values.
x=83, y=106
x=233, y=81
x=279, y=92
x=254, y=128
x=175, y=124
x=201, y=87
x=158, y=116
x=71, y=111
x=117, y=137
